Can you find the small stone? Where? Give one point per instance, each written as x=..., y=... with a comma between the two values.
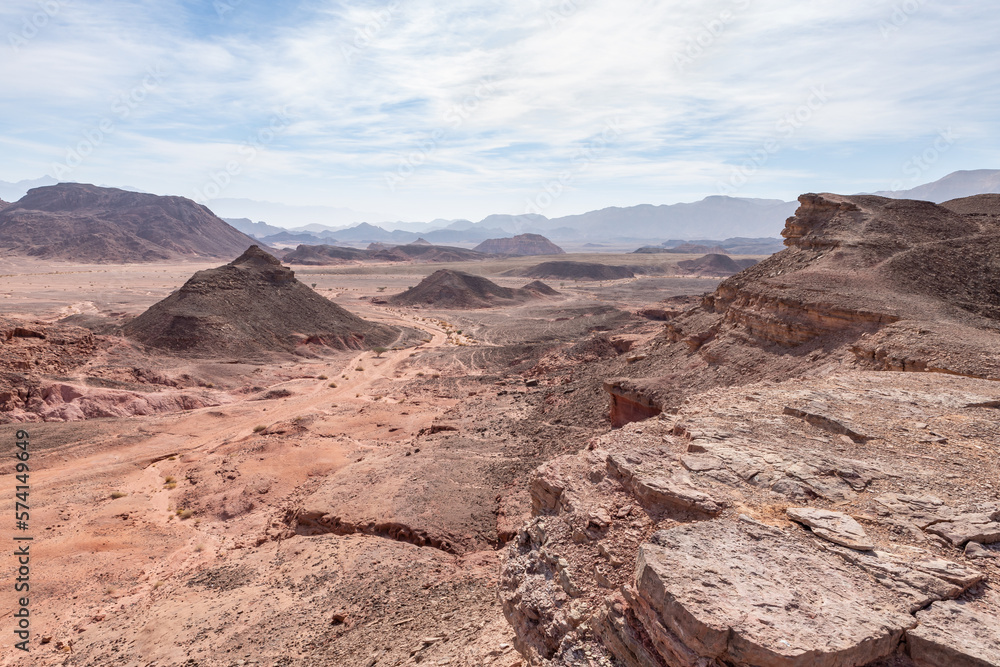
x=976, y=550
x=835, y=527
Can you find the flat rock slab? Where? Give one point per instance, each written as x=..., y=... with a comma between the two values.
x=956, y=634
x=835, y=527
x=744, y=597
x=979, y=528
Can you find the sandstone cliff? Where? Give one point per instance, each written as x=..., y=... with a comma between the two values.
x=773, y=497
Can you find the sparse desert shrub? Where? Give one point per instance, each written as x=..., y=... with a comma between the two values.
x=117, y=494
x=258, y=428
x=332, y=385
x=380, y=289
x=379, y=351
x=168, y=479
x=360, y=369
x=158, y=584
x=321, y=377
x=183, y=515
x=420, y=374
x=198, y=548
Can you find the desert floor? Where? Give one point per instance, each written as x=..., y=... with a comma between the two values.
x=341, y=509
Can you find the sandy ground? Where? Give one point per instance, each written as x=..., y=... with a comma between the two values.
x=348, y=511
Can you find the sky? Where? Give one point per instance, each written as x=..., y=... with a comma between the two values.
x=415, y=109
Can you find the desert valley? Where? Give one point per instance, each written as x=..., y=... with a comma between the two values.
x=534, y=333
x=511, y=455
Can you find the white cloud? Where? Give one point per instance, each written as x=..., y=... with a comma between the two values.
x=695, y=86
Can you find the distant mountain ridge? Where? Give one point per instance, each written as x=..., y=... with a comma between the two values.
x=72, y=221
x=956, y=185
x=715, y=217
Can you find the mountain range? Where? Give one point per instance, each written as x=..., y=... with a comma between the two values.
x=715, y=217
x=955, y=185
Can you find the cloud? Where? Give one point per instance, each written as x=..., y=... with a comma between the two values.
x=371, y=87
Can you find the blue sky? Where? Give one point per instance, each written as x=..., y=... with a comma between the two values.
x=418, y=109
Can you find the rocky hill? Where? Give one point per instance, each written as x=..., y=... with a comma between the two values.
x=522, y=244
x=250, y=307
x=714, y=265
x=454, y=289
x=86, y=223
x=324, y=255
x=772, y=496
x=418, y=253
x=577, y=271
x=4, y=204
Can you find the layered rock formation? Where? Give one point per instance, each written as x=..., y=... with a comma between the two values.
x=87, y=223
x=865, y=282
x=522, y=244
x=736, y=533
x=455, y=289
x=251, y=306
x=781, y=501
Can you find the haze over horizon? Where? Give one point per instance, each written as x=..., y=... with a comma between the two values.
x=419, y=112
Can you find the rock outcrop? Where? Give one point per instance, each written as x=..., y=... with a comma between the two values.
x=714, y=265
x=782, y=501
x=324, y=255
x=727, y=535
x=865, y=282
x=561, y=270
x=86, y=223
x=251, y=306
x=455, y=289
x=522, y=244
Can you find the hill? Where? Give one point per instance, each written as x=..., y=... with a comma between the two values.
x=953, y=186
x=577, y=271
x=522, y=244
x=777, y=465
x=884, y=283
x=258, y=230
x=250, y=307
x=320, y=255
x=323, y=255
x=86, y=223
x=455, y=289
x=715, y=265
